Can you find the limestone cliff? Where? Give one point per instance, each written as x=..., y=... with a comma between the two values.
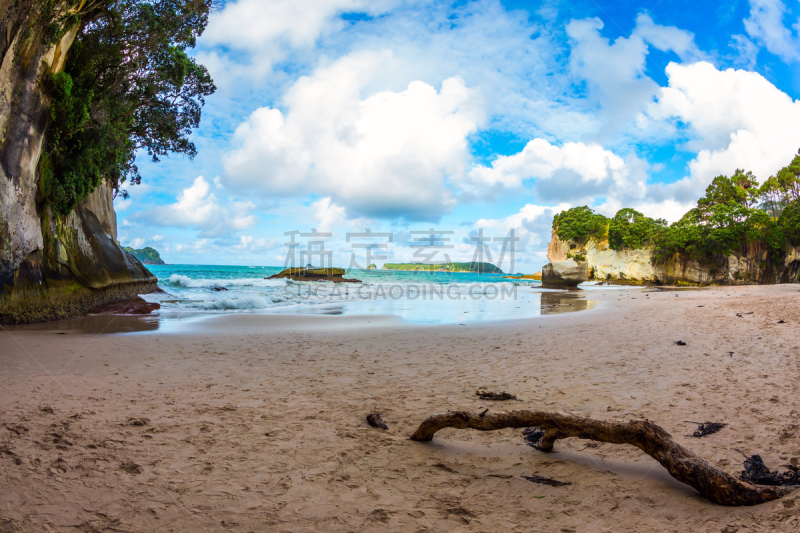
x=50, y=266
x=751, y=265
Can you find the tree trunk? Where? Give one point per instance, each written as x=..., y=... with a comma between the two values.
x=716, y=485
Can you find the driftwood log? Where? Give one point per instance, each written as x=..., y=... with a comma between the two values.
x=716, y=485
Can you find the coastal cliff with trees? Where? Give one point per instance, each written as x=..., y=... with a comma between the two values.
x=740, y=232
x=85, y=87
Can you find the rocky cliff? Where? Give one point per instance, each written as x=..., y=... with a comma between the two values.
x=750, y=265
x=50, y=266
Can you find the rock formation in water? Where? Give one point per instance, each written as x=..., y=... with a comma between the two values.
x=51, y=266
x=314, y=274
x=750, y=265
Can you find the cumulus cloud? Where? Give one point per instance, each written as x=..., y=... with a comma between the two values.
x=615, y=72
x=328, y=214
x=573, y=172
x=730, y=118
x=247, y=37
x=736, y=119
x=387, y=155
x=765, y=25
x=197, y=207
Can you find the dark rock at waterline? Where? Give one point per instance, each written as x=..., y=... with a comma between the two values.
x=131, y=306
x=314, y=274
x=217, y=289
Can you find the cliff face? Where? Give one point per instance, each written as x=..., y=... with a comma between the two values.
x=50, y=266
x=751, y=265
x=604, y=263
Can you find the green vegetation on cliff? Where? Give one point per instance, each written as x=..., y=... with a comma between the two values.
x=445, y=267
x=734, y=212
x=128, y=85
x=147, y=255
x=631, y=229
x=580, y=224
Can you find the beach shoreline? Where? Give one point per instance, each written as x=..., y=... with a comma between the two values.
x=257, y=422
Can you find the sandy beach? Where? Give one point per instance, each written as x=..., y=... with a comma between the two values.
x=257, y=423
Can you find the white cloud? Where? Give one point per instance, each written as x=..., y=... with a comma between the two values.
x=736, y=119
x=197, y=207
x=246, y=38
x=255, y=24
x=615, y=72
x=574, y=172
x=120, y=204
x=667, y=38
x=746, y=52
x=328, y=214
x=138, y=242
x=765, y=25
x=670, y=210
x=387, y=155
x=245, y=241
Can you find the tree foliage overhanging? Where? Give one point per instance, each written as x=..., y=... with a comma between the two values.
x=128, y=85
x=734, y=212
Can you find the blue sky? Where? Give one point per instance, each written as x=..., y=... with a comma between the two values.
x=344, y=115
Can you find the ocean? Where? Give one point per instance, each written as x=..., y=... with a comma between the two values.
x=416, y=297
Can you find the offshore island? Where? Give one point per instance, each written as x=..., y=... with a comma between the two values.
x=483, y=268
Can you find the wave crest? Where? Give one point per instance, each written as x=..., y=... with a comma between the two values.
x=247, y=302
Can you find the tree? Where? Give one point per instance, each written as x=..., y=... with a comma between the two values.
x=722, y=191
x=790, y=222
x=631, y=229
x=684, y=236
x=579, y=223
x=789, y=179
x=747, y=186
x=771, y=197
x=128, y=85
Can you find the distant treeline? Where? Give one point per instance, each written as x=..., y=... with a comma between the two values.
x=735, y=211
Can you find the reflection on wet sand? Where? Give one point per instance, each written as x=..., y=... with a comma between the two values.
x=321, y=310
x=95, y=324
x=554, y=303
x=551, y=303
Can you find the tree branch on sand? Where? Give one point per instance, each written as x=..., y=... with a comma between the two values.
x=716, y=485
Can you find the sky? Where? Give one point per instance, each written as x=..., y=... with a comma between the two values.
x=471, y=118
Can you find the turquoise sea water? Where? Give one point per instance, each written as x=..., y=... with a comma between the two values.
x=417, y=297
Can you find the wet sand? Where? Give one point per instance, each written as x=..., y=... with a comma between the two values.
x=254, y=423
